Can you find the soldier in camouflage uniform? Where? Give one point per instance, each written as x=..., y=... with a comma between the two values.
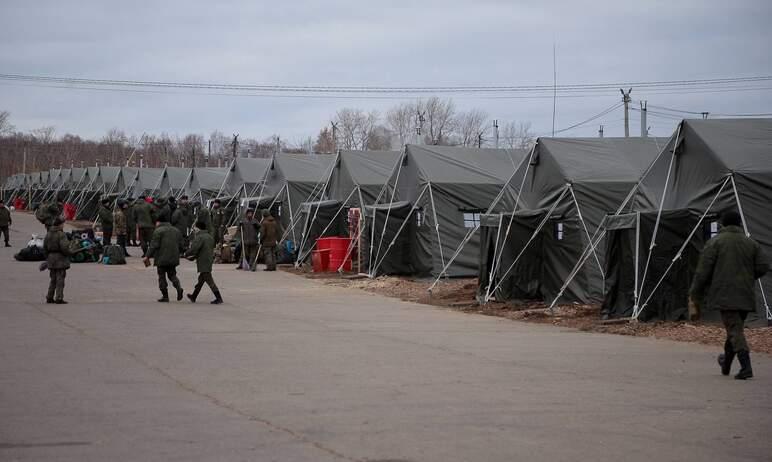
x=58, y=251
x=165, y=249
x=144, y=216
x=729, y=266
x=218, y=221
x=5, y=221
x=202, y=251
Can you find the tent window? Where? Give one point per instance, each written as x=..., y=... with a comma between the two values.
x=713, y=229
x=471, y=219
x=559, y=234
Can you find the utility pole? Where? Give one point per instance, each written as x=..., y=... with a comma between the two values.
x=278, y=144
x=209, y=153
x=193, y=154
x=334, y=137
x=496, y=132
x=626, y=100
x=419, y=126
x=644, y=127
x=141, y=159
x=705, y=115
x=479, y=140
x=600, y=132
x=235, y=145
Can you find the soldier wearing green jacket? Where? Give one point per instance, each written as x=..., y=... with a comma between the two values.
x=131, y=224
x=205, y=217
x=218, y=221
x=202, y=251
x=725, y=278
x=5, y=221
x=144, y=217
x=164, y=249
x=105, y=215
x=182, y=218
x=58, y=251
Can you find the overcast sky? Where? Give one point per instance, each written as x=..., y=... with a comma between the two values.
x=396, y=43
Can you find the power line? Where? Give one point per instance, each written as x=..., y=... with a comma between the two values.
x=596, y=116
x=672, y=84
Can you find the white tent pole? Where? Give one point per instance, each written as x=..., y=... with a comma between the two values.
x=533, y=236
x=391, y=202
x=184, y=185
x=436, y=227
x=586, y=231
x=637, y=258
x=402, y=226
x=653, y=243
x=496, y=253
x=231, y=167
x=306, y=225
x=681, y=249
x=461, y=246
x=748, y=233
x=270, y=206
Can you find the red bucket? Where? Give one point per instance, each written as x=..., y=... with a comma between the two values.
x=339, y=255
x=320, y=260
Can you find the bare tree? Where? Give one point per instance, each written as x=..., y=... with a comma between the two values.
x=324, y=142
x=5, y=123
x=356, y=128
x=471, y=125
x=440, y=119
x=401, y=120
x=518, y=135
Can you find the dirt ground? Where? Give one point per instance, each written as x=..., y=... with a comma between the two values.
x=459, y=294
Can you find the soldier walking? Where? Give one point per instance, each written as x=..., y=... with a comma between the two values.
x=131, y=225
x=202, y=251
x=58, y=251
x=269, y=238
x=106, y=220
x=164, y=249
x=5, y=221
x=181, y=219
x=729, y=265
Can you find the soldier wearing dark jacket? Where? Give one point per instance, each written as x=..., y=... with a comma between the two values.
x=269, y=239
x=218, y=221
x=202, y=251
x=163, y=210
x=48, y=213
x=106, y=221
x=144, y=216
x=164, y=249
x=58, y=251
x=729, y=266
x=131, y=224
x=5, y=221
x=204, y=216
x=250, y=229
x=182, y=218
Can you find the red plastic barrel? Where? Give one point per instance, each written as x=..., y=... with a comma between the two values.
x=320, y=260
x=69, y=211
x=338, y=251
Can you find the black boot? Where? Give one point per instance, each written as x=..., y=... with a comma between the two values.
x=745, y=366
x=192, y=297
x=725, y=359
x=164, y=296
x=217, y=298
x=180, y=293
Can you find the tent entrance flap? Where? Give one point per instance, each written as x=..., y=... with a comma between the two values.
x=394, y=222
x=320, y=219
x=670, y=301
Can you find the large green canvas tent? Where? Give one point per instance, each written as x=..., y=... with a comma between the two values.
x=448, y=188
x=711, y=165
x=565, y=189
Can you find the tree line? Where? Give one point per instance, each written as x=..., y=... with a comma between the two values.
x=429, y=121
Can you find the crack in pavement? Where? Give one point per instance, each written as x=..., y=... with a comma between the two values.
x=192, y=390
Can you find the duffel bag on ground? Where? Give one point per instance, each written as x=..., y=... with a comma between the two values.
x=113, y=255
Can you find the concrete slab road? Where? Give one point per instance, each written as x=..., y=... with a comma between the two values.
x=292, y=370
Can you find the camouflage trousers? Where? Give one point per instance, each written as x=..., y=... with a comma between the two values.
x=269, y=255
x=56, y=286
x=734, y=322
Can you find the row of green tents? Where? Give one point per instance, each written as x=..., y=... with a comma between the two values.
x=614, y=221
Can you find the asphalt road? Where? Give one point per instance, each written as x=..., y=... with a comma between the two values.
x=292, y=370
